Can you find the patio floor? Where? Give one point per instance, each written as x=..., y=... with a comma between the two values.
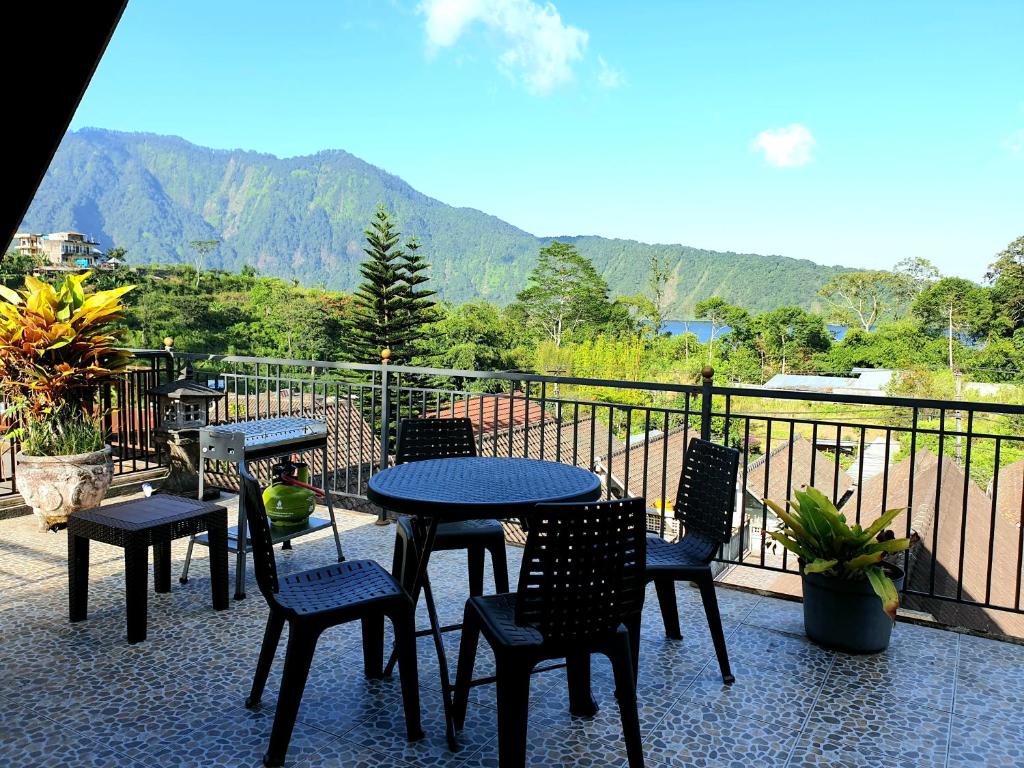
x=79, y=695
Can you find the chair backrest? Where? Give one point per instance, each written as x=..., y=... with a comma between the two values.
x=263, y=561
x=583, y=568
x=420, y=439
x=707, y=491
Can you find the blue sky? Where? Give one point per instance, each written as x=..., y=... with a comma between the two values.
x=850, y=133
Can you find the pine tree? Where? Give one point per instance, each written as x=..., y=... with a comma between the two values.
x=391, y=306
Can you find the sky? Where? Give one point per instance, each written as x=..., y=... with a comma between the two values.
x=845, y=133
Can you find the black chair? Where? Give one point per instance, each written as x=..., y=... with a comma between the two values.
x=582, y=581
x=313, y=600
x=704, y=507
x=420, y=439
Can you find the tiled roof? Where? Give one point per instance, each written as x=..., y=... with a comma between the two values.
x=946, y=506
x=795, y=465
x=489, y=412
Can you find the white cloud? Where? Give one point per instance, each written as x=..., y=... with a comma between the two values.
x=609, y=77
x=539, y=48
x=787, y=147
x=1014, y=143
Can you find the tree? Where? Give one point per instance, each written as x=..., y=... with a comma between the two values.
x=200, y=250
x=657, y=282
x=564, y=294
x=720, y=314
x=472, y=336
x=913, y=275
x=15, y=266
x=859, y=298
x=953, y=306
x=1006, y=275
x=391, y=306
x=789, y=334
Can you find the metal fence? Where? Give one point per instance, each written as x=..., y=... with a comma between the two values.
x=957, y=467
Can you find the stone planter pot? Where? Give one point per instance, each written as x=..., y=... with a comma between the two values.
x=54, y=486
x=846, y=615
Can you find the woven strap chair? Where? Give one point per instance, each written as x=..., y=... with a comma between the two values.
x=704, y=507
x=311, y=602
x=581, y=583
x=420, y=439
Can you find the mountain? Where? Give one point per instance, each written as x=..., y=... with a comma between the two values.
x=303, y=218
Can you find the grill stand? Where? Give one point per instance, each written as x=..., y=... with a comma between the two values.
x=256, y=440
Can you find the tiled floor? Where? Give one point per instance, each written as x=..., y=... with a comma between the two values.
x=79, y=695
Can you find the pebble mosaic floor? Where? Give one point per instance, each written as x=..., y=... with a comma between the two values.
x=78, y=695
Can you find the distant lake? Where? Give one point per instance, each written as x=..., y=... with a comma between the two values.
x=702, y=329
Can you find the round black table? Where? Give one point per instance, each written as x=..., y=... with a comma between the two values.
x=435, y=491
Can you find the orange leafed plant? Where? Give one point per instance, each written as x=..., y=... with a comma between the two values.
x=57, y=344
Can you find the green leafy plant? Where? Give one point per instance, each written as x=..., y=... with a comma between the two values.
x=57, y=345
x=818, y=534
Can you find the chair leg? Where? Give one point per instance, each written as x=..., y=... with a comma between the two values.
x=621, y=657
x=707, y=594
x=577, y=673
x=301, y=645
x=464, y=670
x=373, y=646
x=271, y=637
x=666, y=589
x=398, y=560
x=499, y=563
x=513, y=712
x=476, y=570
x=404, y=623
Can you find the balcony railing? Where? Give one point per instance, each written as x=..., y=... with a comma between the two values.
x=957, y=467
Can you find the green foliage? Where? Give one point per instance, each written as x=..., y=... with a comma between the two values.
x=391, y=305
x=789, y=336
x=1006, y=274
x=15, y=266
x=819, y=535
x=564, y=296
x=64, y=432
x=863, y=298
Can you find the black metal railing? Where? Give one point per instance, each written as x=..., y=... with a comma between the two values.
x=957, y=467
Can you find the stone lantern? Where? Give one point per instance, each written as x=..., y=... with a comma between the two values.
x=182, y=410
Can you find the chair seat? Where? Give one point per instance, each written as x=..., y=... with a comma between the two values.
x=461, y=534
x=498, y=619
x=336, y=587
x=692, y=553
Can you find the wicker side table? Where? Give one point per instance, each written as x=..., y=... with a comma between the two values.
x=135, y=526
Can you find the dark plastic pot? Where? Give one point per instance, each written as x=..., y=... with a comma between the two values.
x=847, y=615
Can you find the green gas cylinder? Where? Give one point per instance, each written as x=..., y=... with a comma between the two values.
x=287, y=505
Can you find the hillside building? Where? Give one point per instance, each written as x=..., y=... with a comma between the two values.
x=68, y=250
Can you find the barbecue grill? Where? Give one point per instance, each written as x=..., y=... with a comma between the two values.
x=255, y=440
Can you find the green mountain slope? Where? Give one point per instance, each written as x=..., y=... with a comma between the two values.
x=303, y=217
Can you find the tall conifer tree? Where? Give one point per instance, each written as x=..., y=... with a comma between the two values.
x=391, y=304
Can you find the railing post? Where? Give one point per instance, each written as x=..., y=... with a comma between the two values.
x=385, y=421
x=169, y=349
x=707, y=374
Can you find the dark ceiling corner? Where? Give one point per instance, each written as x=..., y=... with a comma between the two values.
x=43, y=92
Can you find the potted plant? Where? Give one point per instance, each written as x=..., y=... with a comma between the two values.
x=851, y=591
x=57, y=346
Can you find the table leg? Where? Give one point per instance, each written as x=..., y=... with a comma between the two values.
x=162, y=566
x=217, y=531
x=136, y=565
x=423, y=541
x=78, y=577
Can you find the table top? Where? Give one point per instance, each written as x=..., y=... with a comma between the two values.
x=465, y=488
x=147, y=512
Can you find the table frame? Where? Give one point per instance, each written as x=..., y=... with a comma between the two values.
x=425, y=525
x=136, y=543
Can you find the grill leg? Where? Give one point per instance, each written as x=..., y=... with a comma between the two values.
x=242, y=543
x=330, y=510
x=183, y=579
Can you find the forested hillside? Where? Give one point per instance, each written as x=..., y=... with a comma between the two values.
x=303, y=218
